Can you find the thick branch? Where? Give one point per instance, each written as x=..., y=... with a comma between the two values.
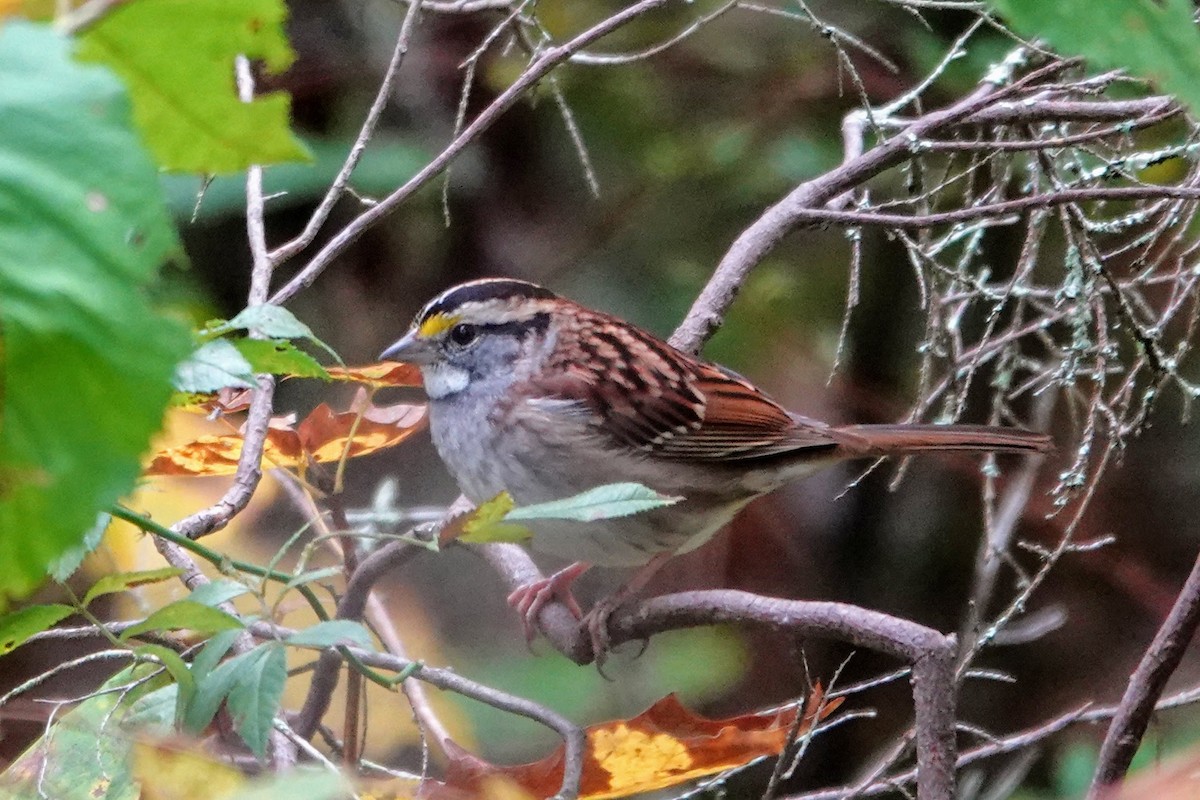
x=931, y=653
x=1147, y=684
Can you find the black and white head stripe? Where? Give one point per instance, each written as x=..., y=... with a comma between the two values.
x=499, y=290
x=493, y=302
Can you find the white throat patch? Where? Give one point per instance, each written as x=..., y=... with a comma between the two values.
x=443, y=380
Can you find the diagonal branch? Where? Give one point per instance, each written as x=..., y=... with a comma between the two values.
x=1146, y=686
x=541, y=66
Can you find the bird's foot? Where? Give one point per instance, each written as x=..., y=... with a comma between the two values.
x=596, y=624
x=597, y=619
x=529, y=598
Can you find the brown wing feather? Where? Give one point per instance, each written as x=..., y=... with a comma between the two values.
x=668, y=404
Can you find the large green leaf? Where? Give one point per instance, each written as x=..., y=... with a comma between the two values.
x=86, y=361
x=1157, y=41
x=254, y=696
x=184, y=614
x=177, y=57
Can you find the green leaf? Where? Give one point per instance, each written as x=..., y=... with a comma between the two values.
x=216, y=592
x=121, y=581
x=1157, y=41
x=603, y=502
x=498, y=521
x=211, y=654
x=280, y=357
x=65, y=565
x=275, y=322
x=18, y=626
x=86, y=362
x=254, y=696
x=185, y=614
x=212, y=681
x=177, y=668
x=155, y=711
x=214, y=366
x=84, y=756
x=333, y=632
x=177, y=57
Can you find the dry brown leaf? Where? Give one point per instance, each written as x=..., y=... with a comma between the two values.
x=383, y=374
x=323, y=436
x=663, y=746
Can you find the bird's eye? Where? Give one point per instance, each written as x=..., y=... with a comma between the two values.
x=463, y=334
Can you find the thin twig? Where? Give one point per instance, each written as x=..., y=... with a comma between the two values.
x=338, y=187
x=534, y=72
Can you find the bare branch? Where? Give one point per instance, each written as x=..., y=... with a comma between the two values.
x=1146, y=686
x=537, y=69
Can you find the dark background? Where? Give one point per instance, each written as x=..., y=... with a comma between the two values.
x=689, y=147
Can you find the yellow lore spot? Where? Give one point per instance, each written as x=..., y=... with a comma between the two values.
x=437, y=324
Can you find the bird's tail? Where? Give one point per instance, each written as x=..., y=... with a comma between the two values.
x=883, y=440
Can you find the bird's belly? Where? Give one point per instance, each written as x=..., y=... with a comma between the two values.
x=486, y=461
x=629, y=541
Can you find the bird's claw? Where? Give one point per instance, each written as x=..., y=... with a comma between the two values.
x=529, y=599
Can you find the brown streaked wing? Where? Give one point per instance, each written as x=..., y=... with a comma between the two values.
x=665, y=403
x=740, y=422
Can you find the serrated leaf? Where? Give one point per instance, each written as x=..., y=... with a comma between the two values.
x=17, y=627
x=211, y=691
x=254, y=696
x=498, y=520
x=603, y=502
x=215, y=365
x=83, y=229
x=185, y=614
x=121, y=581
x=280, y=357
x=1157, y=41
x=216, y=592
x=333, y=632
x=177, y=56
x=65, y=565
x=272, y=321
x=269, y=320
x=212, y=681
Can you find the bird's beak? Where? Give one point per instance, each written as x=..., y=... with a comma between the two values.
x=412, y=349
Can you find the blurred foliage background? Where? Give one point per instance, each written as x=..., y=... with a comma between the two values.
x=688, y=147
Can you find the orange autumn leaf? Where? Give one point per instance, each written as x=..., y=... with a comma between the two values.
x=383, y=374
x=323, y=436
x=663, y=746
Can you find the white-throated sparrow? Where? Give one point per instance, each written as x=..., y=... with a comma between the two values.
x=538, y=396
